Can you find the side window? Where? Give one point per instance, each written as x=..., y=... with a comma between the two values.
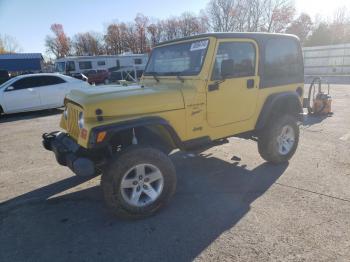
x=70, y=66
x=243, y=56
x=51, y=80
x=85, y=65
x=138, y=61
x=101, y=63
x=28, y=82
x=118, y=63
x=20, y=84
x=283, y=63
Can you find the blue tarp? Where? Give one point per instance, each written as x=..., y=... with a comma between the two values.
x=21, y=62
x=20, y=65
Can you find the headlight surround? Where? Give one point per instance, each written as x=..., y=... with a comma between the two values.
x=65, y=113
x=81, y=120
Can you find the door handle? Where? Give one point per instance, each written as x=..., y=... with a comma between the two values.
x=250, y=83
x=213, y=87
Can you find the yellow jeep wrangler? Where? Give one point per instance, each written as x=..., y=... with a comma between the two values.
x=195, y=92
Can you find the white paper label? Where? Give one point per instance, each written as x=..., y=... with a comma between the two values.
x=199, y=45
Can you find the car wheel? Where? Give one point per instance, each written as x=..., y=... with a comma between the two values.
x=279, y=139
x=138, y=182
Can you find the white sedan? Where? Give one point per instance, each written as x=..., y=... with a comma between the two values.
x=36, y=92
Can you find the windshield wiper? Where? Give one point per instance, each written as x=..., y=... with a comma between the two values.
x=154, y=74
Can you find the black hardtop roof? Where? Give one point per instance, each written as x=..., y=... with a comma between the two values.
x=258, y=36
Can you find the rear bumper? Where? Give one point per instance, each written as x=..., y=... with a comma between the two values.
x=68, y=153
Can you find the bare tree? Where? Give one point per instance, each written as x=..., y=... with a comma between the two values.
x=141, y=23
x=188, y=24
x=204, y=22
x=340, y=26
x=2, y=48
x=8, y=44
x=301, y=27
x=59, y=44
x=113, y=39
x=222, y=15
x=278, y=14
x=89, y=43
x=155, y=31
x=253, y=15
x=171, y=28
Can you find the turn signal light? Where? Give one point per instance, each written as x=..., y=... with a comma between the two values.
x=83, y=133
x=101, y=136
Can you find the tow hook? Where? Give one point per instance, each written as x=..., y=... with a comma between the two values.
x=48, y=138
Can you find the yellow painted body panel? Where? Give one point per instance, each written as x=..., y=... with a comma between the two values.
x=188, y=106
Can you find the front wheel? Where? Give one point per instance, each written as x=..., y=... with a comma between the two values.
x=279, y=140
x=138, y=182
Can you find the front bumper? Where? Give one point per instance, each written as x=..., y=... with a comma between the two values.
x=69, y=153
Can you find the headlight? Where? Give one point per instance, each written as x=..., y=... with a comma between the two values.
x=81, y=120
x=65, y=113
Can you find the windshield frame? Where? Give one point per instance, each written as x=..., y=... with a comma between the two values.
x=178, y=73
x=56, y=66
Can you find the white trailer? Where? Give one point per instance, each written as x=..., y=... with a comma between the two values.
x=80, y=64
x=332, y=60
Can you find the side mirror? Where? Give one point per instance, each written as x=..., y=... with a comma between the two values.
x=10, y=88
x=227, y=68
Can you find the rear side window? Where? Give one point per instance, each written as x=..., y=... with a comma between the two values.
x=85, y=65
x=243, y=55
x=137, y=61
x=283, y=62
x=51, y=80
x=90, y=72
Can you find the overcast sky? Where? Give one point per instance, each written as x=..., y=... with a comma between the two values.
x=29, y=20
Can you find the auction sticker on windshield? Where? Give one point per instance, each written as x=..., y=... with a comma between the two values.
x=199, y=45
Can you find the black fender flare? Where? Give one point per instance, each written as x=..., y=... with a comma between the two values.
x=112, y=129
x=290, y=98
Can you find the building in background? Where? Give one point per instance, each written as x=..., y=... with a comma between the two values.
x=330, y=62
x=19, y=63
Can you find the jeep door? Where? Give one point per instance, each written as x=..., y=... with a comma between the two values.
x=232, y=97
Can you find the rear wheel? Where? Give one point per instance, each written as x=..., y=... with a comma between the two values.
x=138, y=182
x=278, y=141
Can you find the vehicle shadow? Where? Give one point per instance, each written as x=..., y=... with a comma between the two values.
x=310, y=120
x=212, y=196
x=29, y=115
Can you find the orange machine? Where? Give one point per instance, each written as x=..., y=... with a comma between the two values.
x=322, y=104
x=319, y=103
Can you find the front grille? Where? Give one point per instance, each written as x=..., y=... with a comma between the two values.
x=72, y=120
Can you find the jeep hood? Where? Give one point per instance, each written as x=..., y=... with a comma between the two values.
x=126, y=101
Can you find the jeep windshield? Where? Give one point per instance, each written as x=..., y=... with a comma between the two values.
x=178, y=59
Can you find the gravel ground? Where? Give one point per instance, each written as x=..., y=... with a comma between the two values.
x=229, y=204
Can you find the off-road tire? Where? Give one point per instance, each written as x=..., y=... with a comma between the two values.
x=113, y=174
x=267, y=140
